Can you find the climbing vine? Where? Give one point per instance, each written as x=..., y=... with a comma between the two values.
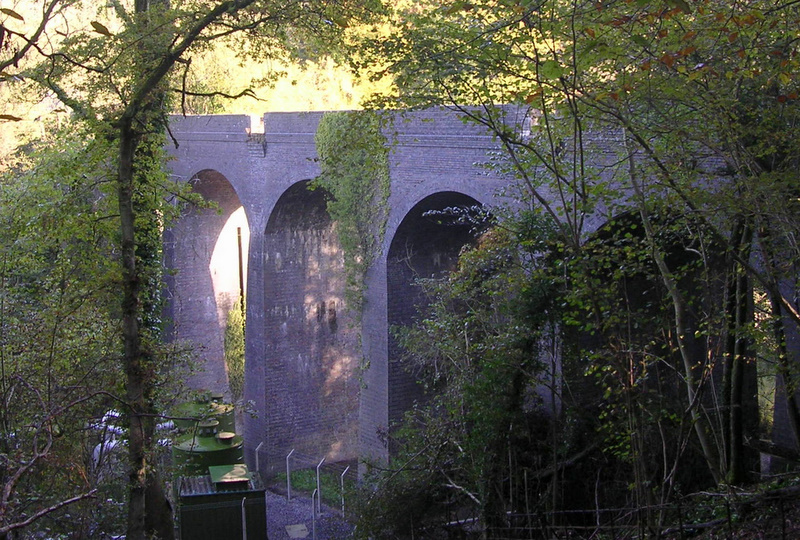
x=354, y=162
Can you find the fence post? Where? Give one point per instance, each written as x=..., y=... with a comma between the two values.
x=314, y=514
x=289, y=477
x=527, y=506
x=258, y=460
x=319, y=490
x=614, y=524
x=341, y=483
x=728, y=512
x=244, y=520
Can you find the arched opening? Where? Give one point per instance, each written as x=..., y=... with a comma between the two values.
x=427, y=244
x=310, y=342
x=209, y=258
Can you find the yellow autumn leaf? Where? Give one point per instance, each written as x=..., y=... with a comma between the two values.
x=100, y=28
x=13, y=14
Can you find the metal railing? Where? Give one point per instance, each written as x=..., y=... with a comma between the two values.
x=336, y=472
x=682, y=520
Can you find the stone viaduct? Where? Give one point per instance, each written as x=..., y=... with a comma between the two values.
x=321, y=381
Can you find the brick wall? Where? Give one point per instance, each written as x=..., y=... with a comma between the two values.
x=311, y=354
x=204, y=254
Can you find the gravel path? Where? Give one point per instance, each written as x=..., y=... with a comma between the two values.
x=297, y=512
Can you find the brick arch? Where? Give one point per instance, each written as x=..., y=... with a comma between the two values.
x=309, y=398
x=424, y=245
x=211, y=246
x=346, y=408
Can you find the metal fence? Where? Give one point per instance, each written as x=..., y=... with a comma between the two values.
x=727, y=516
x=330, y=479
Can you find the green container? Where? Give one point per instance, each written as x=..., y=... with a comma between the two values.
x=224, y=412
x=219, y=505
x=204, y=407
x=194, y=452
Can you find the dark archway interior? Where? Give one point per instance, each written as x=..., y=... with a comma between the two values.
x=300, y=208
x=426, y=245
x=213, y=186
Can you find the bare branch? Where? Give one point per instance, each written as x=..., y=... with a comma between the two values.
x=462, y=489
x=31, y=41
x=44, y=511
x=248, y=92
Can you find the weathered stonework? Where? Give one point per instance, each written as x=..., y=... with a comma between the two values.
x=320, y=382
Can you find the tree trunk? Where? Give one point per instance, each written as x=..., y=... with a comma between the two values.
x=158, y=511
x=778, y=318
x=149, y=512
x=738, y=311
x=682, y=335
x=135, y=374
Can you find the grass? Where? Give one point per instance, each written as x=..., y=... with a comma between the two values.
x=305, y=481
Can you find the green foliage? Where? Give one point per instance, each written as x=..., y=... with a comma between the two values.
x=399, y=503
x=523, y=313
x=681, y=113
x=234, y=350
x=57, y=264
x=478, y=349
x=59, y=349
x=153, y=213
x=353, y=157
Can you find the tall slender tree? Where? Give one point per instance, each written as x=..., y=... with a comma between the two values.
x=113, y=67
